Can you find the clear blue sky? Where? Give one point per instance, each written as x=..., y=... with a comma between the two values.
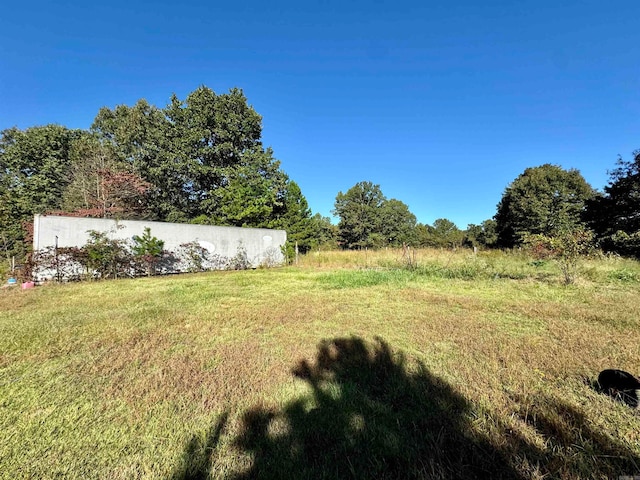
x=442, y=103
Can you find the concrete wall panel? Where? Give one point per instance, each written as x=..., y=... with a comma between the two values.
x=262, y=245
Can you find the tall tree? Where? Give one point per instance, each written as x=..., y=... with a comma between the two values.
x=397, y=223
x=543, y=200
x=358, y=210
x=483, y=235
x=100, y=184
x=295, y=217
x=33, y=175
x=325, y=233
x=442, y=234
x=615, y=215
x=203, y=156
x=251, y=193
x=369, y=219
x=142, y=137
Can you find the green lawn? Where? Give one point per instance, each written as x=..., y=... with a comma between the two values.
x=345, y=366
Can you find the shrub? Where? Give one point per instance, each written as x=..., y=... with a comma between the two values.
x=194, y=256
x=107, y=257
x=148, y=250
x=565, y=248
x=240, y=261
x=64, y=263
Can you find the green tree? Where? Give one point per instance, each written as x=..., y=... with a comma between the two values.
x=143, y=138
x=542, y=200
x=442, y=234
x=148, y=249
x=202, y=155
x=358, y=209
x=615, y=215
x=252, y=194
x=212, y=135
x=325, y=233
x=483, y=235
x=397, y=223
x=295, y=218
x=369, y=219
x=34, y=167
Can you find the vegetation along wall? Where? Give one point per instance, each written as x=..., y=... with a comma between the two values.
x=217, y=247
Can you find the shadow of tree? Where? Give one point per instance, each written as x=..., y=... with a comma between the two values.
x=371, y=416
x=196, y=459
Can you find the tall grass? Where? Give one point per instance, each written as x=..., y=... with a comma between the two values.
x=349, y=365
x=464, y=264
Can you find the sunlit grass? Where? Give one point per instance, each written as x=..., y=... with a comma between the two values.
x=132, y=378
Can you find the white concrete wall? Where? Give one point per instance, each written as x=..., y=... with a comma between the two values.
x=261, y=244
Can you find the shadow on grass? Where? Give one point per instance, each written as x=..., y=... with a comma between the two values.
x=371, y=417
x=196, y=459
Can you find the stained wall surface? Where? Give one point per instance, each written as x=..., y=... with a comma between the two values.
x=261, y=245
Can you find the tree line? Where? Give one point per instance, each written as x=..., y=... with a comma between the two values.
x=201, y=160
x=197, y=160
x=544, y=202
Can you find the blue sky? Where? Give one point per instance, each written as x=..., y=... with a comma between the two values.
x=441, y=103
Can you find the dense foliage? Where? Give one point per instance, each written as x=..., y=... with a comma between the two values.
x=545, y=200
x=201, y=160
x=197, y=160
x=369, y=219
x=615, y=215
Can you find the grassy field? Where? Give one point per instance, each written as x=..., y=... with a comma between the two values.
x=348, y=365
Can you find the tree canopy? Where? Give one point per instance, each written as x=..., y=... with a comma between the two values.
x=543, y=200
x=199, y=160
x=369, y=219
x=615, y=215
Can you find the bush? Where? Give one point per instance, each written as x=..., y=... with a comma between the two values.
x=107, y=257
x=241, y=260
x=625, y=244
x=565, y=248
x=148, y=250
x=195, y=257
x=68, y=263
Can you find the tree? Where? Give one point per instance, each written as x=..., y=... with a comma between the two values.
x=295, y=218
x=325, y=233
x=100, y=185
x=202, y=155
x=33, y=175
x=442, y=234
x=543, y=200
x=358, y=210
x=142, y=138
x=252, y=193
x=615, y=215
x=566, y=248
x=368, y=219
x=148, y=249
x=397, y=223
x=483, y=235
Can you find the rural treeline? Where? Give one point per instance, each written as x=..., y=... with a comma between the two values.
x=201, y=160
x=198, y=160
